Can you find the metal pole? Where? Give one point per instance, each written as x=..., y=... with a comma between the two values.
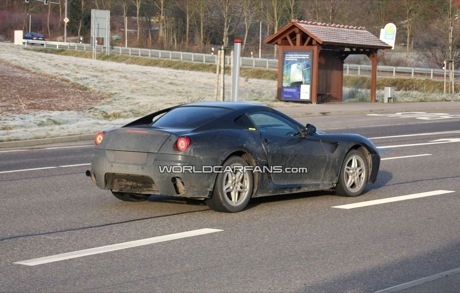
x=236, y=68
x=451, y=61
x=65, y=23
x=260, y=39
x=222, y=74
x=126, y=31
x=445, y=77
x=30, y=22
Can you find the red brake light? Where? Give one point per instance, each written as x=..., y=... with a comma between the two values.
x=183, y=143
x=99, y=137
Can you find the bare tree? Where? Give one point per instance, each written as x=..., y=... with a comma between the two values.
x=201, y=9
x=293, y=9
x=227, y=10
x=187, y=6
x=248, y=15
x=124, y=7
x=273, y=11
x=83, y=11
x=138, y=4
x=161, y=5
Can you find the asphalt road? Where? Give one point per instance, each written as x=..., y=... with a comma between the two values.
x=311, y=242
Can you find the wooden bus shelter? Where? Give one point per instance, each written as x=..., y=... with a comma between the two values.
x=311, y=56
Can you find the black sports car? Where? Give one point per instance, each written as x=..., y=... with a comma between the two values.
x=226, y=153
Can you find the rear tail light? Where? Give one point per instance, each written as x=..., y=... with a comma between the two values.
x=183, y=143
x=99, y=137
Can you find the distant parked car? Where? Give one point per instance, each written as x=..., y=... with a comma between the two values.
x=34, y=36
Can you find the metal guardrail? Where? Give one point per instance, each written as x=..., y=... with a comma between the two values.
x=349, y=69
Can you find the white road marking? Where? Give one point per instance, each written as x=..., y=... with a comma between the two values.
x=75, y=165
x=392, y=199
x=419, y=281
x=13, y=151
x=433, y=142
x=405, y=157
x=115, y=247
x=43, y=168
x=416, y=134
x=419, y=115
x=69, y=147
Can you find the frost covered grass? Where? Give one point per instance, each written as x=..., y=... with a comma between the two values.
x=132, y=90
x=357, y=95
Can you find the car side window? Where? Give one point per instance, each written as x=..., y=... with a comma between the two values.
x=274, y=124
x=244, y=122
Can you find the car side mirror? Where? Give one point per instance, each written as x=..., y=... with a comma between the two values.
x=310, y=129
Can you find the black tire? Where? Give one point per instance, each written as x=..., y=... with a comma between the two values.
x=233, y=187
x=353, y=174
x=132, y=197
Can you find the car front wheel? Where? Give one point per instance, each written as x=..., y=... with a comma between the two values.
x=233, y=187
x=353, y=175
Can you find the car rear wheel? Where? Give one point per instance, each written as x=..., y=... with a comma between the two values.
x=353, y=175
x=233, y=187
x=133, y=197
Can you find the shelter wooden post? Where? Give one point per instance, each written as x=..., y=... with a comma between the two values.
x=373, y=58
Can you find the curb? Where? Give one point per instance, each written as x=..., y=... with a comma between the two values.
x=45, y=141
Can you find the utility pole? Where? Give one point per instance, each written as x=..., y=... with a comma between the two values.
x=66, y=20
x=451, y=57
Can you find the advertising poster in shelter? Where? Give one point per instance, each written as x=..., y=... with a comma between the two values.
x=297, y=67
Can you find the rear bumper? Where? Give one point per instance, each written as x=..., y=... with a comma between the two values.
x=148, y=173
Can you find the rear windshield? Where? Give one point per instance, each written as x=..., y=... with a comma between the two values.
x=189, y=117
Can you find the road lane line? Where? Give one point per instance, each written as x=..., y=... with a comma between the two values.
x=44, y=168
x=418, y=282
x=392, y=199
x=416, y=134
x=75, y=165
x=115, y=247
x=12, y=151
x=27, y=170
x=433, y=142
x=69, y=147
x=404, y=157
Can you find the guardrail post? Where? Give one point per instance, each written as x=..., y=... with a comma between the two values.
x=394, y=71
x=412, y=72
x=348, y=69
x=432, y=73
x=170, y=55
x=359, y=70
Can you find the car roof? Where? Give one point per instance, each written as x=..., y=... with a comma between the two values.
x=228, y=105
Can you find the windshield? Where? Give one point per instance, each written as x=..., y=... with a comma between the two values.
x=188, y=117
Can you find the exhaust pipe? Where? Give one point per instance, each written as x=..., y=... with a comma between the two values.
x=91, y=175
x=178, y=185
